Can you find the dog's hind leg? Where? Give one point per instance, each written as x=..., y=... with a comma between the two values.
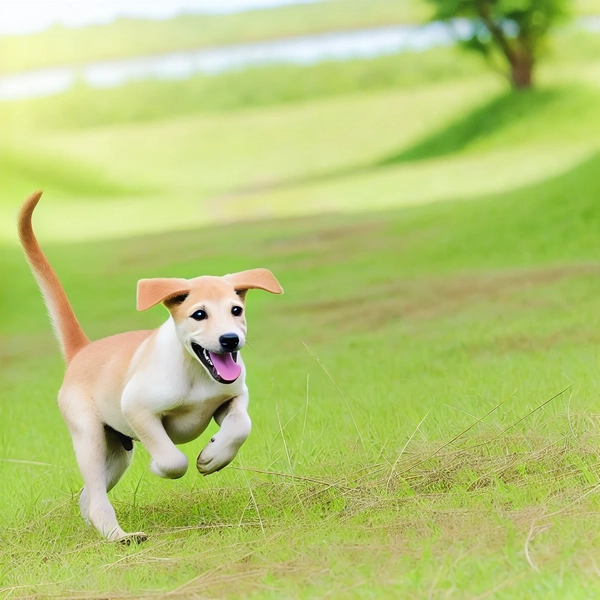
x=118, y=459
x=102, y=460
x=91, y=451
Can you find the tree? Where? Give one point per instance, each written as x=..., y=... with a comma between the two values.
x=509, y=33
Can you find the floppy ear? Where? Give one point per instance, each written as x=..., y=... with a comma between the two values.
x=151, y=292
x=254, y=279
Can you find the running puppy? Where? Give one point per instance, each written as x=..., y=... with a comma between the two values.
x=161, y=387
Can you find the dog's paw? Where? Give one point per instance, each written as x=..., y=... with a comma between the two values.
x=129, y=539
x=217, y=454
x=170, y=468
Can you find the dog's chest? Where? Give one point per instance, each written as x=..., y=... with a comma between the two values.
x=193, y=405
x=183, y=387
x=182, y=394
x=190, y=416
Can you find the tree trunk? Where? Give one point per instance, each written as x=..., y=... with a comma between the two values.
x=521, y=71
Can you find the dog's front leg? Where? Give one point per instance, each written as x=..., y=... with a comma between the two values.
x=235, y=425
x=167, y=460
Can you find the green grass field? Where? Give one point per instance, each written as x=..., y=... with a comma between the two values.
x=424, y=396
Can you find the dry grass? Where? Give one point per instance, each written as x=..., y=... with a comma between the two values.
x=468, y=494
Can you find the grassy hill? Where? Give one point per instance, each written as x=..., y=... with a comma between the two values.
x=424, y=396
x=398, y=331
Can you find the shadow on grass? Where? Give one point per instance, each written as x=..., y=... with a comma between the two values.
x=498, y=114
x=489, y=119
x=71, y=175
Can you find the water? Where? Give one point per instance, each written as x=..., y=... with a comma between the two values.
x=592, y=23
x=368, y=43
x=20, y=16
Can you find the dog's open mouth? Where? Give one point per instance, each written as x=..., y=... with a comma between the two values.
x=222, y=367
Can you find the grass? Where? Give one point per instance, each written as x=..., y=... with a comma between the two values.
x=371, y=363
x=197, y=165
x=586, y=7
x=240, y=165
x=85, y=107
x=424, y=396
x=136, y=37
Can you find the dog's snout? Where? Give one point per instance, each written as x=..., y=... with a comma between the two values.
x=229, y=341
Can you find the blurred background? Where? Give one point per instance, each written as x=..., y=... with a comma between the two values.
x=141, y=117
x=423, y=177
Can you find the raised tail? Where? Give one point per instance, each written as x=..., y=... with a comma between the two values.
x=65, y=324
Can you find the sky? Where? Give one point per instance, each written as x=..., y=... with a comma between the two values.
x=29, y=16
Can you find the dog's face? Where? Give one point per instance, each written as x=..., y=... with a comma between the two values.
x=211, y=324
x=209, y=314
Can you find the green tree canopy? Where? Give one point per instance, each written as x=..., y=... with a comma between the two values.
x=509, y=33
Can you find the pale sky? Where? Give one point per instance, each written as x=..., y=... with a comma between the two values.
x=27, y=16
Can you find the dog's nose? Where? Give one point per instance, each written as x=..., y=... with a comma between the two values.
x=229, y=341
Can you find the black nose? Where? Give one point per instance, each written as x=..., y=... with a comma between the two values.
x=229, y=341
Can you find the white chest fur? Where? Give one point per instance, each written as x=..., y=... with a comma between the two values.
x=167, y=380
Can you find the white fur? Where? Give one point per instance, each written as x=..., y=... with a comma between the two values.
x=149, y=385
x=168, y=398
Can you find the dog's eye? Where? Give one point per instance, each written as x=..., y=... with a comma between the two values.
x=199, y=315
x=236, y=311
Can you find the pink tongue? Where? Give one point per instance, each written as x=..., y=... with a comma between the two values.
x=225, y=365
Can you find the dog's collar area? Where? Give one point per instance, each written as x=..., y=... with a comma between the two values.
x=222, y=367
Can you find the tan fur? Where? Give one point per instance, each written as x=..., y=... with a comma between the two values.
x=65, y=324
x=255, y=279
x=151, y=386
x=151, y=292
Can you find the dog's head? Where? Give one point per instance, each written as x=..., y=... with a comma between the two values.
x=209, y=314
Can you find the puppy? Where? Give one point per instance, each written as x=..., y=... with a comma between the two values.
x=159, y=387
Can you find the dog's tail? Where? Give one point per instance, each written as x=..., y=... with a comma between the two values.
x=65, y=324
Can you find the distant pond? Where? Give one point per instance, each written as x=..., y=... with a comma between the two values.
x=307, y=50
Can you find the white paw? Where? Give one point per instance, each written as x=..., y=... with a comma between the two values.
x=218, y=453
x=127, y=539
x=170, y=468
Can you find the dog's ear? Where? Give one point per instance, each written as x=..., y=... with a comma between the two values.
x=254, y=279
x=151, y=292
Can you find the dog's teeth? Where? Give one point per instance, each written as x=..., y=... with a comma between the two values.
x=207, y=356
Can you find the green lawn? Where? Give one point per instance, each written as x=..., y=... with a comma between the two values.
x=86, y=107
x=422, y=320
x=376, y=150
x=410, y=435
x=587, y=7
